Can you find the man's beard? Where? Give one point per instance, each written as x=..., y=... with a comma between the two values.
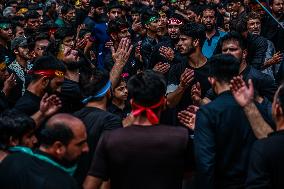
x=72, y=66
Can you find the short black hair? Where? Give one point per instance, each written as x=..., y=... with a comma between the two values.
x=93, y=83
x=194, y=30
x=116, y=25
x=147, y=14
x=32, y=14
x=16, y=126
x=66, y=8
x=147, y=88
x=211, y=7
x=231, y=36
x=236, y=1
x=63, y=32
x=114, y=5
x=56, y=132
x=48, y=62
x=224, y=67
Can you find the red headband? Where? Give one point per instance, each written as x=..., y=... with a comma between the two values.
x=175, y=21
x=151, y=116
x=48, y=73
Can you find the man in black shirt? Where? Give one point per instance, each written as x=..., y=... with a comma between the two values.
x=63, y=140
x=96, y=89
x=5, y=38
x=146, y=154
x=222, y=135
x=47, y=76
x=183, y=75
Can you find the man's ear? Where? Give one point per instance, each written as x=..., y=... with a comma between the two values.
x=16, y=51
x=44, y=81
x=196, y=42
x=212, y=80
x=59, y=148
x=13, y=141
x=278, y=110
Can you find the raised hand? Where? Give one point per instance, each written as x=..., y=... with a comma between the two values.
x=9, y=84
x=187, y=117
x=162, y=67
x=276, y=59
x=242, y=93
x=196, y=94
x=186, y=78
x=167, y=52
x=122, y=53
x=49, y=105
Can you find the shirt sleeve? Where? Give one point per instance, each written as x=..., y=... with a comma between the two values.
x=204, y=148
x=258, y=175
x=100, y=165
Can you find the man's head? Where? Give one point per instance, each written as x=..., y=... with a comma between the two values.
x=235, y=5
x=4, y=74
x=64, y=137
x=96, y=87
x=32, y=20
x=85, y=4
x=118, y=29
x=18, y=30
x=47, y=74
x=135, y=14
x=223, y=67
x=66, y=36
x=174, y=24
x=192, y=37
x=114, y=10
x=19, y=45
x=5, y=30
x=232, y=43
x=120, y=92
x=254, y=23
x=17, y=130
x=98, y=6
x=278, y=105
x=150, y=19
x=41, y=43
x=208, y=18
x=68, y=13
x=148, y=89
x=277, y=7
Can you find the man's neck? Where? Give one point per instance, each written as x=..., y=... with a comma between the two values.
x=221, y=87
x=242, y=9
x=197, y=59
x=98, y=104
x=119, y=103
x=72, y=75
x=152, y=35
x=280, y=124
x=243, y=66
x=141, y=120
x=210, y=34
x=3, y=43
x=21, y=61
x=34, y=88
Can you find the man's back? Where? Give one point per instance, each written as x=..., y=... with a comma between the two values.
x=266, y=164
x=20, y=170
x=223, y=139
x=143, y=157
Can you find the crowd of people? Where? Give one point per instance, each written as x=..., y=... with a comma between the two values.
x=130, y=94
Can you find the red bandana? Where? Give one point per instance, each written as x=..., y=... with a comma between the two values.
x=151, y=116
x=48, y=73
x=175, y=21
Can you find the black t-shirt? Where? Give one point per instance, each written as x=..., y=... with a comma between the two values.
x=20, y=170
x=70, y=96
x=122, y=113
x=200, y=75
x=97, y=121
x=29, y=103
x=143, y=157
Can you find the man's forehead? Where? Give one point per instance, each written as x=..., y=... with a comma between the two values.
x=231, y=42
